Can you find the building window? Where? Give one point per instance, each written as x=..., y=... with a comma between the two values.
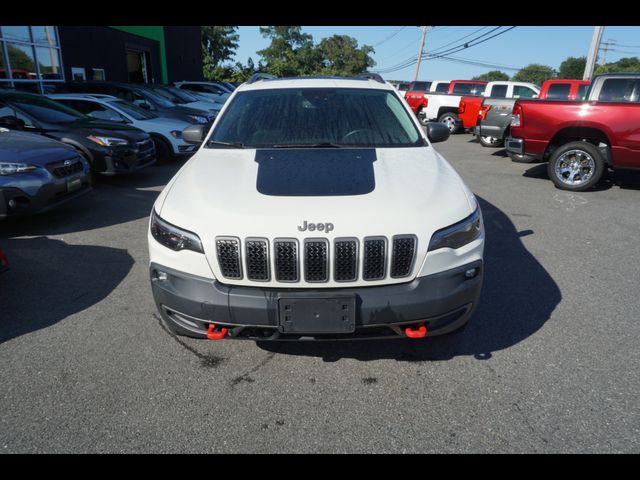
x=30, y=58
x=78, y=74
x=98, y=74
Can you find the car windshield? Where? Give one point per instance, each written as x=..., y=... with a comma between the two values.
x=133, y=111
x=45, y=110
x=175, y=95
x=163, y=102
x=316, y=117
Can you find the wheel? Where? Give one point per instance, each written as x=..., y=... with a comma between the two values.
x=451, y=120
x=164, y=152
x=422, y=117
x=491, y=142
x=576, y=166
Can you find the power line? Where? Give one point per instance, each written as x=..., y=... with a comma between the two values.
x=390, y=36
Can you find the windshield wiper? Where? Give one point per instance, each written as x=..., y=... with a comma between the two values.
x=312, y=145
x=225, y=144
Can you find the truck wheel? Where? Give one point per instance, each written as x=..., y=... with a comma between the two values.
x=576, y=166
x=492, y=142
x=422, y=117
x=451, y=120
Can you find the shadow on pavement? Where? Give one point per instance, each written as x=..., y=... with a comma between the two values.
x=50, y=280
x=114, y=200
x=623, y=179
x=517, y=299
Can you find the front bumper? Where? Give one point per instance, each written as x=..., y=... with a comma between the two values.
x=443, y=302
x=125, y=159
x=33, y=194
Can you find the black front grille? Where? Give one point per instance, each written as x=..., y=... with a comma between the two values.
x=345, y=267
x=316, y=260
x=257, y=258
x=404, y=249
x=373, y=267
x=286, y=253
x=60, y=170
x=228, y=250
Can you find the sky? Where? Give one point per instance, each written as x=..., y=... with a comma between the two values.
x=548, y=45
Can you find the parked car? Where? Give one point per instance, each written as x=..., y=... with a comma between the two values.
x=230, y=85
x=184, y=98
x=142, y=97
x=313, y=246
x=109, y=147
x=564, y=89
x=166, y=133
x=581, y=139
x=4, y=262
x=207, y=90
x=494, y=114
x=38, y=174
x=403, y=88
x=443, y=107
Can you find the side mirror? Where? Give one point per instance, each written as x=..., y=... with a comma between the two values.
x=12, y=123
x=437, y=132
x=194, y=134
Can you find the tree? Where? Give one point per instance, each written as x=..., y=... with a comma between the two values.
x=534, y=73
x=626, y=64
x=340, y=55
x=572, y=67
x=290, y=53
x=219, y=44
x=492, y=76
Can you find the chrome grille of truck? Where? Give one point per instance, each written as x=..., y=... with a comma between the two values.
x=315, y=258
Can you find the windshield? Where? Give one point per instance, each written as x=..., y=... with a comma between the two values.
x=307, y=117
x=135, y=112
x=45, y=110
x=175, y=94
x=163, y=102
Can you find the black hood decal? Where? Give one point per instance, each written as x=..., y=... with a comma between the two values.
x=315, y=172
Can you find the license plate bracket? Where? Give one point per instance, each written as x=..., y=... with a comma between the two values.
x=310, y=315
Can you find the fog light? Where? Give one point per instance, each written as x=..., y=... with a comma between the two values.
x=160, y=276
x=472, y=272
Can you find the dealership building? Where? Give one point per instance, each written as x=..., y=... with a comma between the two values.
x=35, y=58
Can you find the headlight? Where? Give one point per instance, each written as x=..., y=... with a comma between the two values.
x=107, y=141
x=176, y=133
x=198, y=118
x=173, y=237
x=13, y=168
x=458, y=234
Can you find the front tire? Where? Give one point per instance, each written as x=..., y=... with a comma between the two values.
x=164, y=152
x=576, y=166
x=451, y=120
x=490, y=142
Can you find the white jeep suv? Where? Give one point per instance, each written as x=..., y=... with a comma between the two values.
x=316, y=208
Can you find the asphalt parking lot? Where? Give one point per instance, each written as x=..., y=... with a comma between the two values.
x=549, y=363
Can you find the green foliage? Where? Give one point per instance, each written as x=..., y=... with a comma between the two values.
x=492, y=76
x=341, y=56
x=534, y=73
x=626, y=64
x=219, y=44
x=290, y=53
x=573, y=68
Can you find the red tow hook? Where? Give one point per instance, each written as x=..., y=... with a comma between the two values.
x=419, y=332
x=213, y=335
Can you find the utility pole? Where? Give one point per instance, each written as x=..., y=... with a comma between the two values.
x=605, y=48
x=593, y=53
x=424, y=36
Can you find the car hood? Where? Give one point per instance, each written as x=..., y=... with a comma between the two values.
x=270, y=193
x=163, y=124
x=204, y=105
x=103, y=128
x=21, y=147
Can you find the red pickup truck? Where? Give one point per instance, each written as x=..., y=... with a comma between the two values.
x=581, y=139
x=564, y=89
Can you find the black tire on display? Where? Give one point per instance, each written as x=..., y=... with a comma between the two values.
x=576, y=166
x=451, y=120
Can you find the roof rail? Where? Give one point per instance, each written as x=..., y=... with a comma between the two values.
x=260, y=76
x=371, y=76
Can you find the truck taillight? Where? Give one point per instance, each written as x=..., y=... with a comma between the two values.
x=482, y=113
x=516, y=116
x=462, y=107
